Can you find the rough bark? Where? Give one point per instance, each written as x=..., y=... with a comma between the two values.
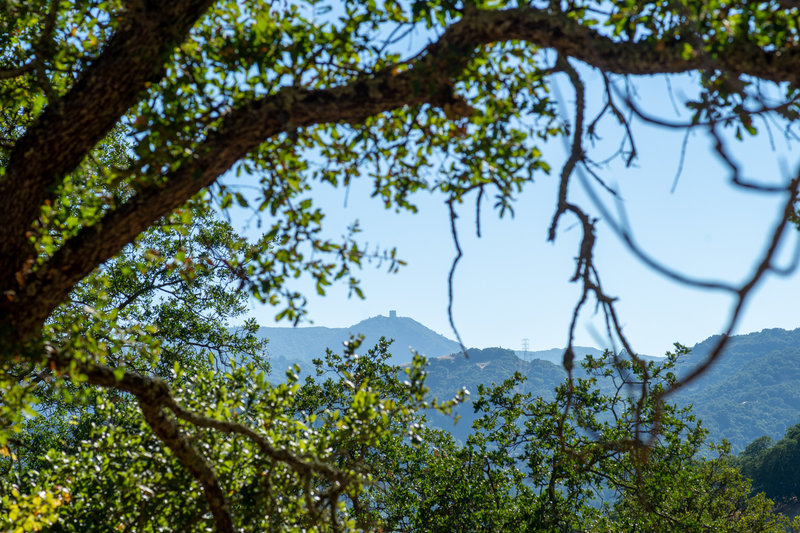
x=69, y=127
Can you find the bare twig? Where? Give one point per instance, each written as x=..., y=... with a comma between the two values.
x=745, y=290
x=576, y=151
x=451, y=275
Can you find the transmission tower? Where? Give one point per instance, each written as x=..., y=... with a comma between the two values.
x=525, y=348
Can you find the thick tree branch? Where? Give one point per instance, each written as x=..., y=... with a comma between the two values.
x=242, y=131
x=644, y=57
x=14, y=72
x=154, y=400
x=428, y=80
x=71, y=126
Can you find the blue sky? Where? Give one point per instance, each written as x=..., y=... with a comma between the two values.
x=512, y=284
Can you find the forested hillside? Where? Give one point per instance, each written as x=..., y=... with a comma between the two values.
x=446, y=375
x=774, y=468
x=556, y=355
x=752, y=392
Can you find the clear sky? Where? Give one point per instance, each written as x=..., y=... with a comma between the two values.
x=512, y=284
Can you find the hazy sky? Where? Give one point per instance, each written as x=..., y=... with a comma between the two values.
x=512, y=284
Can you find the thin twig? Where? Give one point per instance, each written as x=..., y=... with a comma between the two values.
x=450, y=276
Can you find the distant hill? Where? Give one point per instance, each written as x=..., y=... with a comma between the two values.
x=490, y=365
x=753, y=390
x=556, y=355
x=289, y=345
x=446, y=376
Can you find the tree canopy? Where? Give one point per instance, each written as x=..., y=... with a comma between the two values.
x=126, y=128
x=772, y=466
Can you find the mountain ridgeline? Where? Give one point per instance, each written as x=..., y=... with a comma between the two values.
x=751, y=391
x=301, y=345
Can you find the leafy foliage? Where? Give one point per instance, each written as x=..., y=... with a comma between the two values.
x=532, y=464
x=91, y=449
x=750, y=393
x=126, y=127
x=773, y=467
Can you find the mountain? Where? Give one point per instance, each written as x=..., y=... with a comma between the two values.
x=556, y=355
x=751, y=391
x=289, y=345
x=448, y=374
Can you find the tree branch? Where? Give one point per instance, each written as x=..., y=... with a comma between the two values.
x=241, y=131
x=71, y=126
x=743, y=292
x=160, y=410
x=14, y=72
x=166, y=429
x=428, y=80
